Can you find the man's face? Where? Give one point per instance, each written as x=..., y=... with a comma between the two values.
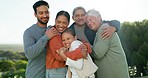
x=93, y=22
x=79, y=17
x=42, y=14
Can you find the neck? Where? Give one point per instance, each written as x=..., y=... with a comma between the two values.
x=80, y=25
x=42, y=25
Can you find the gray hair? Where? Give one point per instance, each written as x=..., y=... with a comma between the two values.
x=77, y=8
x=93, y=12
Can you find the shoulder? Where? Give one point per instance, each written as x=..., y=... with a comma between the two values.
x=72, y=26
x=76, y=43
x=29, y=29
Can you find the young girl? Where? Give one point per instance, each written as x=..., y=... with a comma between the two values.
x=82, y=68
x=55, y=64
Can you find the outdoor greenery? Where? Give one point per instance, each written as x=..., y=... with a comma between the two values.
x=12, y=64
x=134, y=39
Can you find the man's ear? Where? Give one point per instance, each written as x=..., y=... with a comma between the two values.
x=35, y=14
x=73, y=17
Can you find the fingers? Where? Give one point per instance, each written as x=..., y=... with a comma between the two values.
x=58, y=51
x=105, y=35
x=83, y=40
x=53, y=30
x=83, y=46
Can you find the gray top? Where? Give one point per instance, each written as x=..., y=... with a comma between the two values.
x=35, y=41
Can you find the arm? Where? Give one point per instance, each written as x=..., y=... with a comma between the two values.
x=101, y=46
x=31, y=47
x=109, y=30
x=77, y=64
x=34, y=46
x=114, y=23
x=55, y=44
x=80, y=52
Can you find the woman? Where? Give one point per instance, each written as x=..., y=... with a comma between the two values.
x=55, y=65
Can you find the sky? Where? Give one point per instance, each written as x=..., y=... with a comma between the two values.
x=17, y=15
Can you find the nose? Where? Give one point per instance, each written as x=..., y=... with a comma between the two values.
x=45, y=15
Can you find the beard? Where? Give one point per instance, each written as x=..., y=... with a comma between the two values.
x=43, y=22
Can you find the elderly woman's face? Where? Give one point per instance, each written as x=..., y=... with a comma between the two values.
x=92, y=22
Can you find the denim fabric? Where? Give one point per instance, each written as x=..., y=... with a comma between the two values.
x=56, y=73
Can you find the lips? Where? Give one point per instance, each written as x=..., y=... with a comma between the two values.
x=67, y=45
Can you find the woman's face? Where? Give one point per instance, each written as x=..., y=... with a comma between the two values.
x=67, y=39
x=61, y=23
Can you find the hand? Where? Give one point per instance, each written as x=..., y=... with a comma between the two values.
x=107, y=32
x=61, y=50
x=51, y=32
x=83, y=50
x=83, y=40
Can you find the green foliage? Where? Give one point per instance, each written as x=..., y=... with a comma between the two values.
x=14, y=74
x=134, y=38
x=11, y=69
x=6, y=65
x=21, y=64
x=12, y=55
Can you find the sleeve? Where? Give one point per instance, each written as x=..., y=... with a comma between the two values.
x=76, y=54
x=114, y=23
x=55, y=44
x=101, y=46
x=31, y=47
x=78, y=64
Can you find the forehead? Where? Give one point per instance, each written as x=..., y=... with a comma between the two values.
x=66, y=34
x=62, y=18
x=79, y=11
x=42, y=8
x=90, y=17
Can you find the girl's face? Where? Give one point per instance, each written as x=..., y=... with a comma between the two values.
x=67, y=39
x=61, y=23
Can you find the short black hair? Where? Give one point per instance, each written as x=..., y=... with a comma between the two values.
x=39, y=3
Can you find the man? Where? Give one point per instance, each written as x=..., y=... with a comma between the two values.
x=35, y=39
x=108, y=54
x=82, y=30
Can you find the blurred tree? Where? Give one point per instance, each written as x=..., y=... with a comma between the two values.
x=7, y=65
x=134, y=38
x=20, y=64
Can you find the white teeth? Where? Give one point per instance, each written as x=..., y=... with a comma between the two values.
x=60, y=28
x=67, y=44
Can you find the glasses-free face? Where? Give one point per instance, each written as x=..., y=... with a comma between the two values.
x=79, y=17
x=92, y=22
x=67, y=39
x=42, y=14
x=61, y=23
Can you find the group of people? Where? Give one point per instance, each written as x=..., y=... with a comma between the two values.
x=89, y=48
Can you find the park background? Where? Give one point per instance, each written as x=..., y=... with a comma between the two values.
x=18, y=15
